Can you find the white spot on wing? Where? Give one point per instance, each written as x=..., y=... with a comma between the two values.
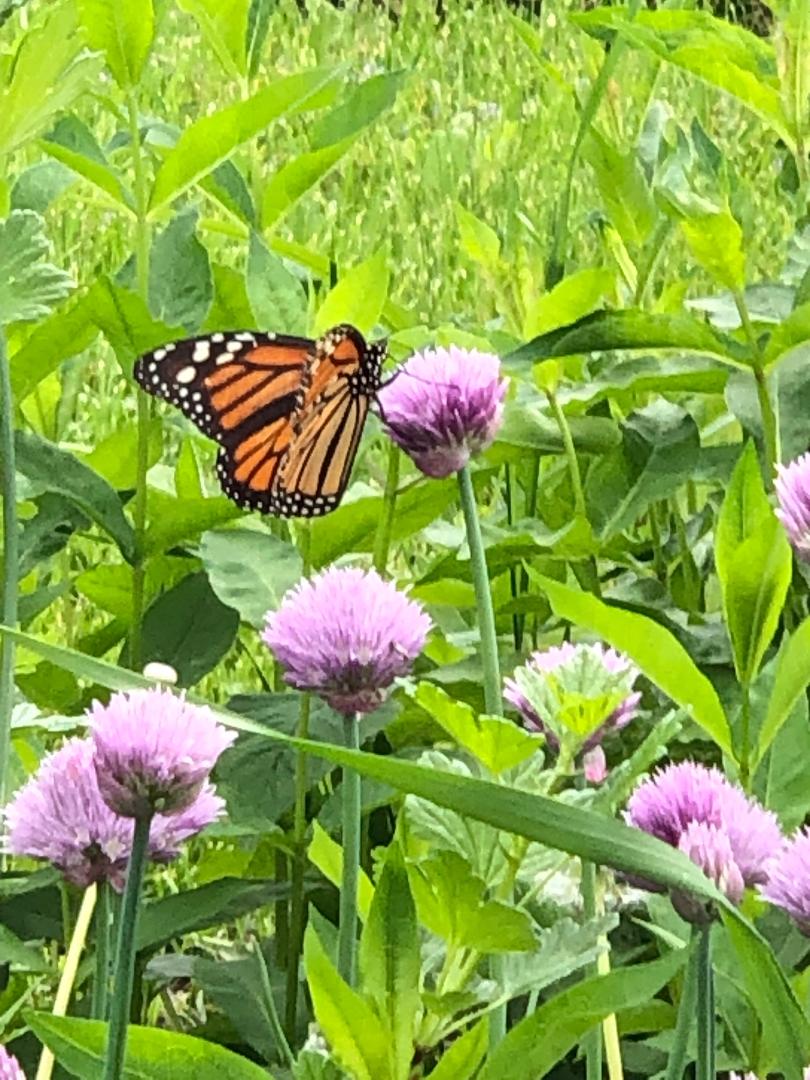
x=186, y=375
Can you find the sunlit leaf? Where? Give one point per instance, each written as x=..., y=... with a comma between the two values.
x=29, y=287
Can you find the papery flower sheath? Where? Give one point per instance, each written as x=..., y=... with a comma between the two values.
x=792, y=486
x=346, y=634
x=443, y=406
x=9, y=1066
x=59, y=815
x=154, y=751
x=788, y=884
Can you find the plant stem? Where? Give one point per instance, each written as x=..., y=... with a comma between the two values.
x=125, y=952
x=745, y=736
x=282, y=1045
x=704, y=1066
x=382, y=541
x=686, y=1017
x=347, y=933
x=570, y=453
x=593, y=1040
x=101, y=982
x=142, y=241
x=68, y=977
x=10, y=564
x=770, y=422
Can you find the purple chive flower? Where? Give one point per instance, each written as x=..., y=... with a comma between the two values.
x=788, y=884
x=792, y=486
x=443, y=406
x=9, y=1066
x=59, y=815
x=730, y=836
x=346, y=634
x=154, y=751
x=580, y=690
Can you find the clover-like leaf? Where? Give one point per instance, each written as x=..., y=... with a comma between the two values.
x=29, y=286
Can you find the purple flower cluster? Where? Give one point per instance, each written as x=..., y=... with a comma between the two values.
x=443, y=406
x=76, y=811
x=733, y=839
x=346, y=634
x=788, y=884
x=792, y=485
x=9, y=1066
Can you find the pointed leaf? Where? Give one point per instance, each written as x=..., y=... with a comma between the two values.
x=123, y=32
x=358, y=297
x=327, y=855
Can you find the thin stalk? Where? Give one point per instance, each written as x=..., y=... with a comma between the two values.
x=745, y=736
x=10, y=563
x=125, y=952
x=704, y=1066
x=68, y=976
x=142, y=242
x=382, y=541
x=770, y=421
x=282, y=913
x=101, y=982
x=299, y=858
x=570, y=453
x=531, y=512
x=517, y=629
x=282, y=1045
x=686, y=1018
x=659, y=566
x=655, y=249
x=347, y=932
x=593, y=1040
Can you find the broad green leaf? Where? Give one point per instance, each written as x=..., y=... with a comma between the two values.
x=189, y=628
x=479, y=241
x=63, y=334
x=327, y=855
x=20, y=955
x=297, y=176
x=73, y=144
x=461, y=1060
x=795, y=330
x=658, y=654
x=180, y=285
x=715, y=240
x=249, y=570
x=358, y=297
x=172, y=520
x=790, y=681
x=625, y=193
x=497, y=743
x=276, y=296
x=123, y=32
x=526, y=427
x=451, y=901
x=152, y=1053
x=211, y=139
x=364, y=104
x=51, y=69
x=115, y=458
x=754, y=564
x=225, y=25
x=355, y=1033
x=29, y=287
x=607, y=331
x=231, y=307
x=390, y=961
x=39, y=186
x=125, y=321
x=228, y=186
x=536, y=1044
x=52, y=469
x=575, y=296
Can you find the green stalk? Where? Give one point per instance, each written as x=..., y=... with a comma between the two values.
x=382, y=541
x=768, y=414
x=125, y=952
x=142, y=243
x=593, y=1040
x=492, y=675
x=282, y=1045
x=10, y=563
x=347, y=932
x=570, y=453
x=686, y=1017
x=704, y=1066
x=101, y=982
x=745, y=736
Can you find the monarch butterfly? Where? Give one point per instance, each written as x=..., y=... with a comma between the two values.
x=287, y=412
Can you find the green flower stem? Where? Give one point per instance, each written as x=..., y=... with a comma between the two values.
x=282, y=1045
x=570, y=453
x=492, y=675
x=142, y=243
x=770, y=420
x=125, y=952
x=101, y=982
x=347, y=933
x=593, y=1040
x=382, y=541
x=745, y=736
x=686, y=1017
x=704, y=1066
x=10, y=563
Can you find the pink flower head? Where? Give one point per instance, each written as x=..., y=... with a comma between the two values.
x=584, y=690
x=730, y=836
x=444, y=405
x=788, y=884
x=346, y=634
x=9, y=1066
x=59, y=815
x=792, y=486
x=154, y=751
